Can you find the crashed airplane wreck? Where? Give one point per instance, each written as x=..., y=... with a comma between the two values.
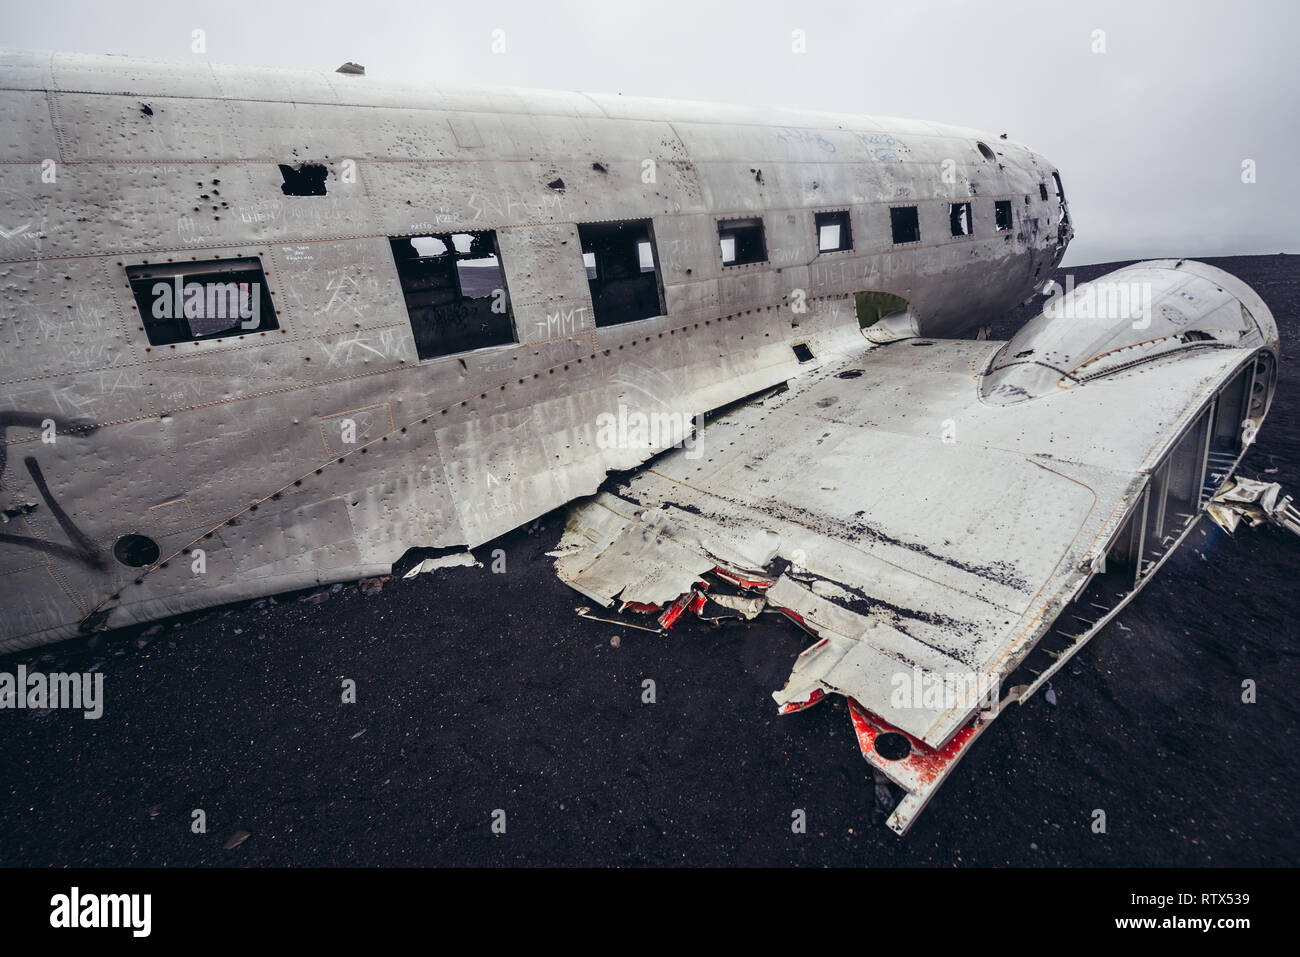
x=264, y=330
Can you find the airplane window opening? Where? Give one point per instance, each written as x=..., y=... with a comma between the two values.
x=622, y=271
x=959, y=219
x=905, y=224
x=1002, y=214
x=455, y=292
x=742, y=241
x=802, y=352
x=833, y=231
x=1042, y=190
x=190, y=302
x=985, y=151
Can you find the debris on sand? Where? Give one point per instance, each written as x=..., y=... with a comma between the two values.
x=444, y=561
x=584, y=611
x=148, y=635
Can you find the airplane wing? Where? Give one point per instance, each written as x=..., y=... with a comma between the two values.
x=932, y=510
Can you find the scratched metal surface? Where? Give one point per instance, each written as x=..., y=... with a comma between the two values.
x=226, y=444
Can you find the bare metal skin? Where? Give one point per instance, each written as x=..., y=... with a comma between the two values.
x=262, y=330
x=233, y=445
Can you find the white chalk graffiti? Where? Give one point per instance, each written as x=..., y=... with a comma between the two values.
x=512, y=206
x=380, y=344
x=563, y=323
x=344, y=291
x=676, y=254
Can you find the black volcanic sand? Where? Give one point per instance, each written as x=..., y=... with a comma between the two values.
x=481, y=691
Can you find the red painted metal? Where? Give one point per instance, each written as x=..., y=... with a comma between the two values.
x=757, y=584
x=923, y=764
x=790, y=707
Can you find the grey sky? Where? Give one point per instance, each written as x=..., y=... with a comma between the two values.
x=1150, y=135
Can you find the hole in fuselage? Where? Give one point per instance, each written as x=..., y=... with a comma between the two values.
x=305, y=179
x=892, y=746
x=136, y=550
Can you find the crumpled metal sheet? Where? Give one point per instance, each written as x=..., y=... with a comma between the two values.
x=454, y=560
x=839, y=504
x=640, y=556
x=1255, y=503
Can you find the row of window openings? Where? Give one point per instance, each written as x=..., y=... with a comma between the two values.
x=905, y=221
x=454, y=286
x=452, y=283
x=741, y=240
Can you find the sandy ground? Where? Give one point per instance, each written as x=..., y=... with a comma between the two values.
x=481, y=691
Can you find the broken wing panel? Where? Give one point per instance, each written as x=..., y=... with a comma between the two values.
x=927, y=537
x=905, y=552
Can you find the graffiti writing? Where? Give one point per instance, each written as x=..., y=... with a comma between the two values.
x=82, y=549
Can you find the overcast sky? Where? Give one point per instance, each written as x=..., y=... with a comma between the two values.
x=1150, y=135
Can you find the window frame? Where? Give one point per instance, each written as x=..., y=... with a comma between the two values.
x=1006, y=205
x=140, y=275
x=970, y=219
x=734, y=226
x=448, y=240
x=844, y=220
x=600, y=267
x=893, y=226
